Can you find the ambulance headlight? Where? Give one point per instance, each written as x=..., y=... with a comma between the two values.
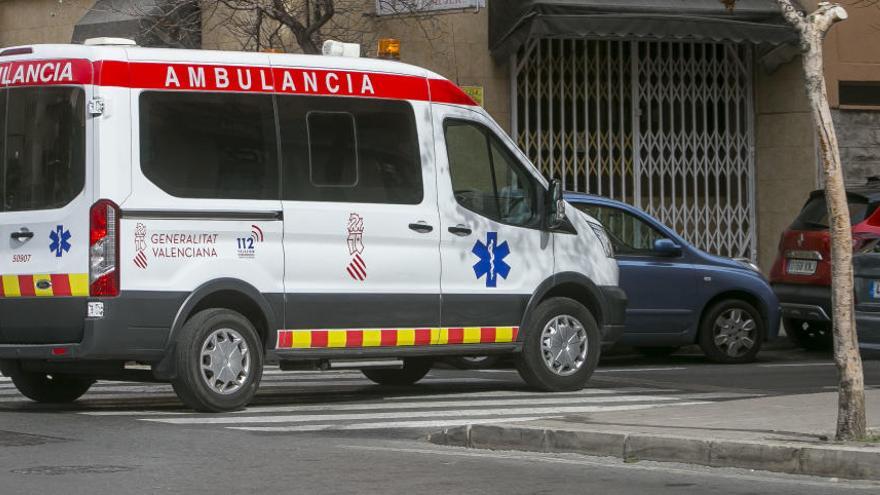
x=599, y=230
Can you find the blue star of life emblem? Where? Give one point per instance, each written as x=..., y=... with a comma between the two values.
x=59, y=238
x=491, y=262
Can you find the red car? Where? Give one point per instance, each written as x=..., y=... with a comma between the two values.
x=801, y=275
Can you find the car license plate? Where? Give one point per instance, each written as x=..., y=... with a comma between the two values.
x=875, y=289
x=801, y=267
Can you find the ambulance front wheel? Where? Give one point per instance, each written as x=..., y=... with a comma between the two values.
x=413, y=370
x=219, y=361
x=561, y=346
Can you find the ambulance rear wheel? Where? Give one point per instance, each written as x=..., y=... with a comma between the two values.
x=50, y=388
x=413, y=370
x=219, y=360
x=561, y=346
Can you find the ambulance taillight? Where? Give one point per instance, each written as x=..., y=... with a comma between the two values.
x=104, y=249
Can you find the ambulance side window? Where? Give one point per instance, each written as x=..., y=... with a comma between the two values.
x=210, y=145
x=486, y=178
x=349, y=150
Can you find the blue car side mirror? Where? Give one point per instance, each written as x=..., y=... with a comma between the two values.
x=667, y=248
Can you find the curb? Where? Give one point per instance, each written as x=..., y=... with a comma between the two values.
x=840, y=461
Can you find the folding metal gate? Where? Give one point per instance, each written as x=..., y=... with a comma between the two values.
x=664, y=125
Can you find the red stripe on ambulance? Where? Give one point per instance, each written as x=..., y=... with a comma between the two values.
x=60, y=285
x=45, y=72
x=26, y=285
x=237, y=78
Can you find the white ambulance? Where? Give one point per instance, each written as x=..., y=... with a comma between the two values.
x=189, y=216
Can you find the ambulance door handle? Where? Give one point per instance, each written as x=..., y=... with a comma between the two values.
x=460, y=230
x=421, y=227
x=22, y=235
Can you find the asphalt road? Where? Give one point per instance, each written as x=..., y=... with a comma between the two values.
x=337, y=433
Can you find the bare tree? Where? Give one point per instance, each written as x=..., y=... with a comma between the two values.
x=284, y=25
x=811, y=29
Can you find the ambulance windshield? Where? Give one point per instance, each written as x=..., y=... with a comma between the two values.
x=42, y=141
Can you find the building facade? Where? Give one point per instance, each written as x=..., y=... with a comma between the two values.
x=698, y=115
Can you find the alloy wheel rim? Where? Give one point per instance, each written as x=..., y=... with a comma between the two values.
x=225, y=361
x=564, y=345
x=735, y=332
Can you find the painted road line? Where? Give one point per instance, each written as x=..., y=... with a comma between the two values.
x=464, y=406
x=304, y=418
x=638, y=370
x=468, y=404
x=379, y=425
x=412, y=402
x=164, y=388
x=795, y=365
x=517, y=415
x=516, y=393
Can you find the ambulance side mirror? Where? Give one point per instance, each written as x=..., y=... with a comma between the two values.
x=556, y=205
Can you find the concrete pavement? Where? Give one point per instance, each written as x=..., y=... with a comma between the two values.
x=784, y=433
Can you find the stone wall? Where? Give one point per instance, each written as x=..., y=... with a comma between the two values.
x=786, y=167
x=24, y=22
x=858, y=132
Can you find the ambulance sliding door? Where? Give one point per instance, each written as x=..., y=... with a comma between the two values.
x=360, y=209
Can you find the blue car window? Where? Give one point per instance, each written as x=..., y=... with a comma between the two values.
x=629, y=234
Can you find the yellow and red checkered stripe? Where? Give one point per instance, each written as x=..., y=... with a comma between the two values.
x=59, y=285
x=394, y=337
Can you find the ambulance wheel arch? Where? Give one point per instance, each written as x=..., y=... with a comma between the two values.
x=226, y=293
x=571, y=285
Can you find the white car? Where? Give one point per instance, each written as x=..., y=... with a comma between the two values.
x=207, y=212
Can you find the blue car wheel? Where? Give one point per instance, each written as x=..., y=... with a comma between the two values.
x=732, y=332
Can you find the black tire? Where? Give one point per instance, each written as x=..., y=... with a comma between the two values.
x=413, y=370
x=191, y=385
x=474, y=362
x=718, y=352
x=810, y=335
x=530, y=362
x=657, y=352
x=50, y=388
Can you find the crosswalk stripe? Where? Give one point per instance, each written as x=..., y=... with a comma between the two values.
x=379, y=425
x=638, y=370
x=165, y=388
x=303, y=418
x=434, y=423
x=464, y=406
x=414, y=401
x=455, y=403
x=526, y=393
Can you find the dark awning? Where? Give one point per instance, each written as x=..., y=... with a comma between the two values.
x=753, y=21
x=137, y=20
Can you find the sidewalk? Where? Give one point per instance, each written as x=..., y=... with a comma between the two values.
x=790, y=434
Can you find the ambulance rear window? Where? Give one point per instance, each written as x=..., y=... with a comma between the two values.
x=43, y=147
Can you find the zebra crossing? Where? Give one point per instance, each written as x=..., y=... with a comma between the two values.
x=296, y=402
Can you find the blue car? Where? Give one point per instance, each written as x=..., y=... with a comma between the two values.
x=680, y=295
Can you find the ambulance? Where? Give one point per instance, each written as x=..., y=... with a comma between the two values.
x=191, y=216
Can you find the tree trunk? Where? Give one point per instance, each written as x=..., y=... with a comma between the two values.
x=851, y=420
